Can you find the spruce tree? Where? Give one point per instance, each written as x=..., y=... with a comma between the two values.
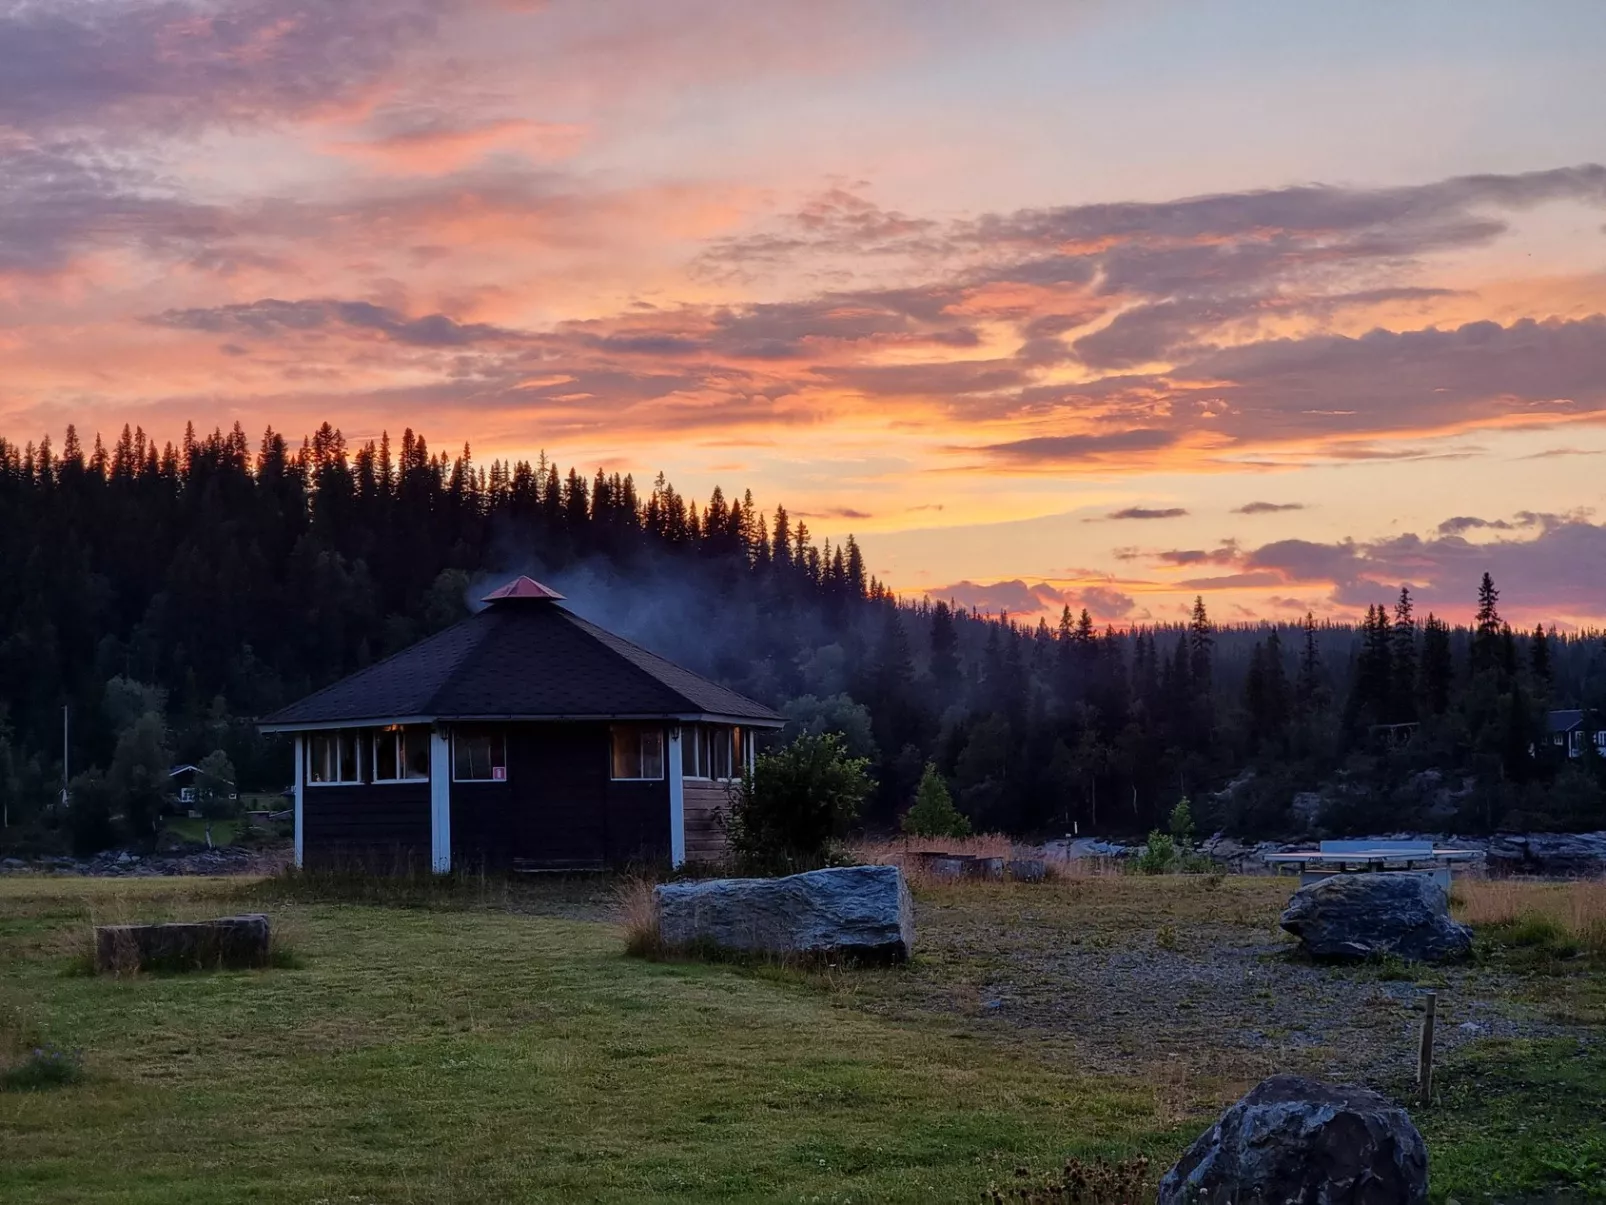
x=1539, y=657
x=1276, y=687
x=944, y=653
x=1310, y=669
x=1437, y=667
x=1486, y=628
x=1255, y=695
x=1402, y=659
x=1201, y=646
x=933, y=813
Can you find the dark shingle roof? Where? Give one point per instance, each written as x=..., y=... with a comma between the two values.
x=522, y=658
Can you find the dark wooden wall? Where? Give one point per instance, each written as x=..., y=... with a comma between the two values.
x=559, y=805
x=381, y=826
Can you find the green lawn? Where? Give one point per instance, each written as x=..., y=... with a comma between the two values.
x=193, y=829
x=476, y=1055
x=495, y=1048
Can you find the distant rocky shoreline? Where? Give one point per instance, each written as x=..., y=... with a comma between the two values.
x=1548, y=855
x=123, y=863
x=1551, y=855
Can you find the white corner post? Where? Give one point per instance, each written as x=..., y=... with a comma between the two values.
x=677, y=801
x=301, y=796
x=440, y=801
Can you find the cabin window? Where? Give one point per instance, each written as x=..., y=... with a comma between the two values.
x=714, y=752
x=401, y=754
x=332, y=757
x=479, y=755
x=637, y=751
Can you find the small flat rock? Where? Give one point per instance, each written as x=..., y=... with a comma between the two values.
x=1027, y=870
x=227, y=942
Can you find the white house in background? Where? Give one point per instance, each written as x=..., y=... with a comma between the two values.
x=1568, y=730
x=186, y=785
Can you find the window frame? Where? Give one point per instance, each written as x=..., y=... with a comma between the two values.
x=496, y=735
x=335, y=735
x=642, y=732
x=699, y=742
x=690, y=752
x=397, y=733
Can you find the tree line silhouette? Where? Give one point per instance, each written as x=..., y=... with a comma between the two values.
x=166, y=596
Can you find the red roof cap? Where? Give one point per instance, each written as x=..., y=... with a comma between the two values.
x=521, y=587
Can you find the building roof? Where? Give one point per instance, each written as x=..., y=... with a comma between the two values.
x=523, y=657
x=521, y=587
x=187, y=768
x=1564, y=721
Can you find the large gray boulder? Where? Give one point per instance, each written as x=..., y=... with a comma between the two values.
x=1357, y=916
x=229, y=941
x=861, y=912
x=1295, y=1140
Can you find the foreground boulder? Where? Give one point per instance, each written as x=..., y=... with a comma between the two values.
x=230, y=941
x=1356, y=916
x=1297, y=1140
x=861, y=912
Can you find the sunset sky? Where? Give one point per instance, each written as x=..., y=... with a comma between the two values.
x=1105, y=304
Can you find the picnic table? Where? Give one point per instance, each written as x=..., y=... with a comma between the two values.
x=1372, y=856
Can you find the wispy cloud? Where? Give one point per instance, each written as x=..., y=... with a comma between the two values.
x=1145, y=512
x=1266, y=508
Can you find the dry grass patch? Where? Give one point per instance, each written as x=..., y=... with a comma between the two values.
x=638, y=918
x=1574, y=911
x=904, y=852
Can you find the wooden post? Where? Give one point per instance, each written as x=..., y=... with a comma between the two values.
x=301, y=792
x=440, y=800
x=677, y=793
x=1424, y=1058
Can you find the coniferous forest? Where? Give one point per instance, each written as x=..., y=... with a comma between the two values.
x=166, y=596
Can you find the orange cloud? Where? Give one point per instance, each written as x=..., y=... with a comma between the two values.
x=438, y=148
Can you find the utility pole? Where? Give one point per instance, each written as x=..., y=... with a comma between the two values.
x=64, y=748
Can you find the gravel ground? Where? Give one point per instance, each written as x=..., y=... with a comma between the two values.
x=1122, y=974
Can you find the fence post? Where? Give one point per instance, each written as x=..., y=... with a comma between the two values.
x=1424, y=1058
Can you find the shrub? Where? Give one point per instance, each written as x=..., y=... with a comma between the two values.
x=933, y=813
x=795, y=803
x=1159, y=854
x=42, y=1067
x=1181, y=823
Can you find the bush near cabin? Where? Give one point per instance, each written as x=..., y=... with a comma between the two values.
x=792, y=808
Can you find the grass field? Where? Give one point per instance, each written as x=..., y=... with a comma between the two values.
x=491, y=1043
x=190, y=828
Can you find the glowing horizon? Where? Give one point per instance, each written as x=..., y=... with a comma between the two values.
x=1086, y=304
